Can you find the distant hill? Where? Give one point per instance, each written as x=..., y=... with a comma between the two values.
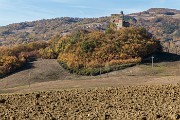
x=163, y=23
x=44, y=29
x=84, y=52
x=164, y=11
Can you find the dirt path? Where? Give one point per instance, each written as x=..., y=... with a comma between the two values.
x=101, y=82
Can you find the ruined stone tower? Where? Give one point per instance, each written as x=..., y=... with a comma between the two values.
x=118, y=20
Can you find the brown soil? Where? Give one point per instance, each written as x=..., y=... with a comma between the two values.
x=117, y=103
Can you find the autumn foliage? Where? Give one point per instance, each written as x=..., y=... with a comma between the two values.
x=12, y=58
x=88, y=51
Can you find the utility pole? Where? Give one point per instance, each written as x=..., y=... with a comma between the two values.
x=176, y=49
x=152, y=61
x=29, y=78
x=100, y=71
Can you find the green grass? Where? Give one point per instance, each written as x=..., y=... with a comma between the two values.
x=95, y=71
x=157, y=69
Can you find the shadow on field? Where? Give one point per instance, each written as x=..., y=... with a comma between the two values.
x=162, y=57
x=26, y=66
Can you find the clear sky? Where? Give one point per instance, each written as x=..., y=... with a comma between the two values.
x=14, y=11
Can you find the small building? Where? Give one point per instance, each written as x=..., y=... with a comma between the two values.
x=118, y=20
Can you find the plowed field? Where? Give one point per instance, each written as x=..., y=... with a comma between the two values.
x=117, y=103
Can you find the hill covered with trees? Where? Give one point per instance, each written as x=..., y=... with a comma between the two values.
x=86, y=49
x=26, y=32
x=94, y=52
x=85, y=52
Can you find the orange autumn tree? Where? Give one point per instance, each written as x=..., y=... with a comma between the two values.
x=13, y=57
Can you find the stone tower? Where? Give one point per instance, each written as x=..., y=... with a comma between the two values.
x=118, y=20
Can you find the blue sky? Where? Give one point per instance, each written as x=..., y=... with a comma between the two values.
x=14, y=11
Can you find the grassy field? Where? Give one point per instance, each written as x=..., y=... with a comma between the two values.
x=49, y=70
